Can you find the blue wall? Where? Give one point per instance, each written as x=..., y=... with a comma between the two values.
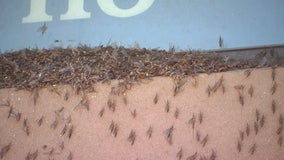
x=195, y=24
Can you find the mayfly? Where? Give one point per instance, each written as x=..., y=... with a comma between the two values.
x=273, y=106
x=242, y=135
x=252, y=149
x=281, y=119
x=176, y=113
x=54, y=89
x=132, y=136
x=7, y=104
x=262, y=120
x=42, y=29
x=273, y=74
x=16, y=114
x=194, y=81
x=241, y=99
x=192, y=122
x=255, y=127
x=36, y=96
x=66, y=96
x=4, y=150
x=247, y=72
x=169, y=134
x=39, y=122
x=200, y=117
x=101, y=113
x=178, y=86
x=220, y=42
x=59, y=113
x=61, y=146
x=248, y=129
x=223, y=89
x=32, y=156
x=156, y=98
x=279, y=130
x=113, y=128
x=217, y=84
x=204, y=140
x=70, y=156
x=197, y=136
x=192, y=157
x=149, y=132
x=273, y=88
x=239, y=146
x=208, y=90
x=239, y=87
x=63, y=131
x=179, y=154
x=26, y=127
x=54, y=124
x=84, y=103
x=250, y=91
x=51, y=153
x=167, y=107
x=111, y=104
x=257, y=114
x=133, y=113
x=213, y=155
x=70, y=131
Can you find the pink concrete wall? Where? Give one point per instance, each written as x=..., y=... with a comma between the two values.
x=223, y=119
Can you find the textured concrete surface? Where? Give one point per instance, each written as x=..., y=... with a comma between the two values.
x=223, y=119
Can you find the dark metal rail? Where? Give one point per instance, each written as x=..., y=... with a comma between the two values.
x=247, y=53
x=267, y=55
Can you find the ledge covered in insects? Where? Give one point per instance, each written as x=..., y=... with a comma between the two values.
x=229, y=115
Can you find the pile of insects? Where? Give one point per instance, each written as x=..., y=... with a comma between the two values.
x=81, y=67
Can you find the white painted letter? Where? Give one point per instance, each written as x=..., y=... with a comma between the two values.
x=37, y=12
x=110, y=8
x=75, y=10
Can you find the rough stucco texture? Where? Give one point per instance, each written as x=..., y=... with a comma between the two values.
x=93, y=137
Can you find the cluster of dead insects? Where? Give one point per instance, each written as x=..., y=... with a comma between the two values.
x=81, y=67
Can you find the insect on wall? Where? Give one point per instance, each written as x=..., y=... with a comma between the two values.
x=118, y=100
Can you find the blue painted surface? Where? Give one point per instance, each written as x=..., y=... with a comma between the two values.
x=195, y=24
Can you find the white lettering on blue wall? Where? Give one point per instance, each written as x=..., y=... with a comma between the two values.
x=37, y=12
x=110, y=8
x=76, y=10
